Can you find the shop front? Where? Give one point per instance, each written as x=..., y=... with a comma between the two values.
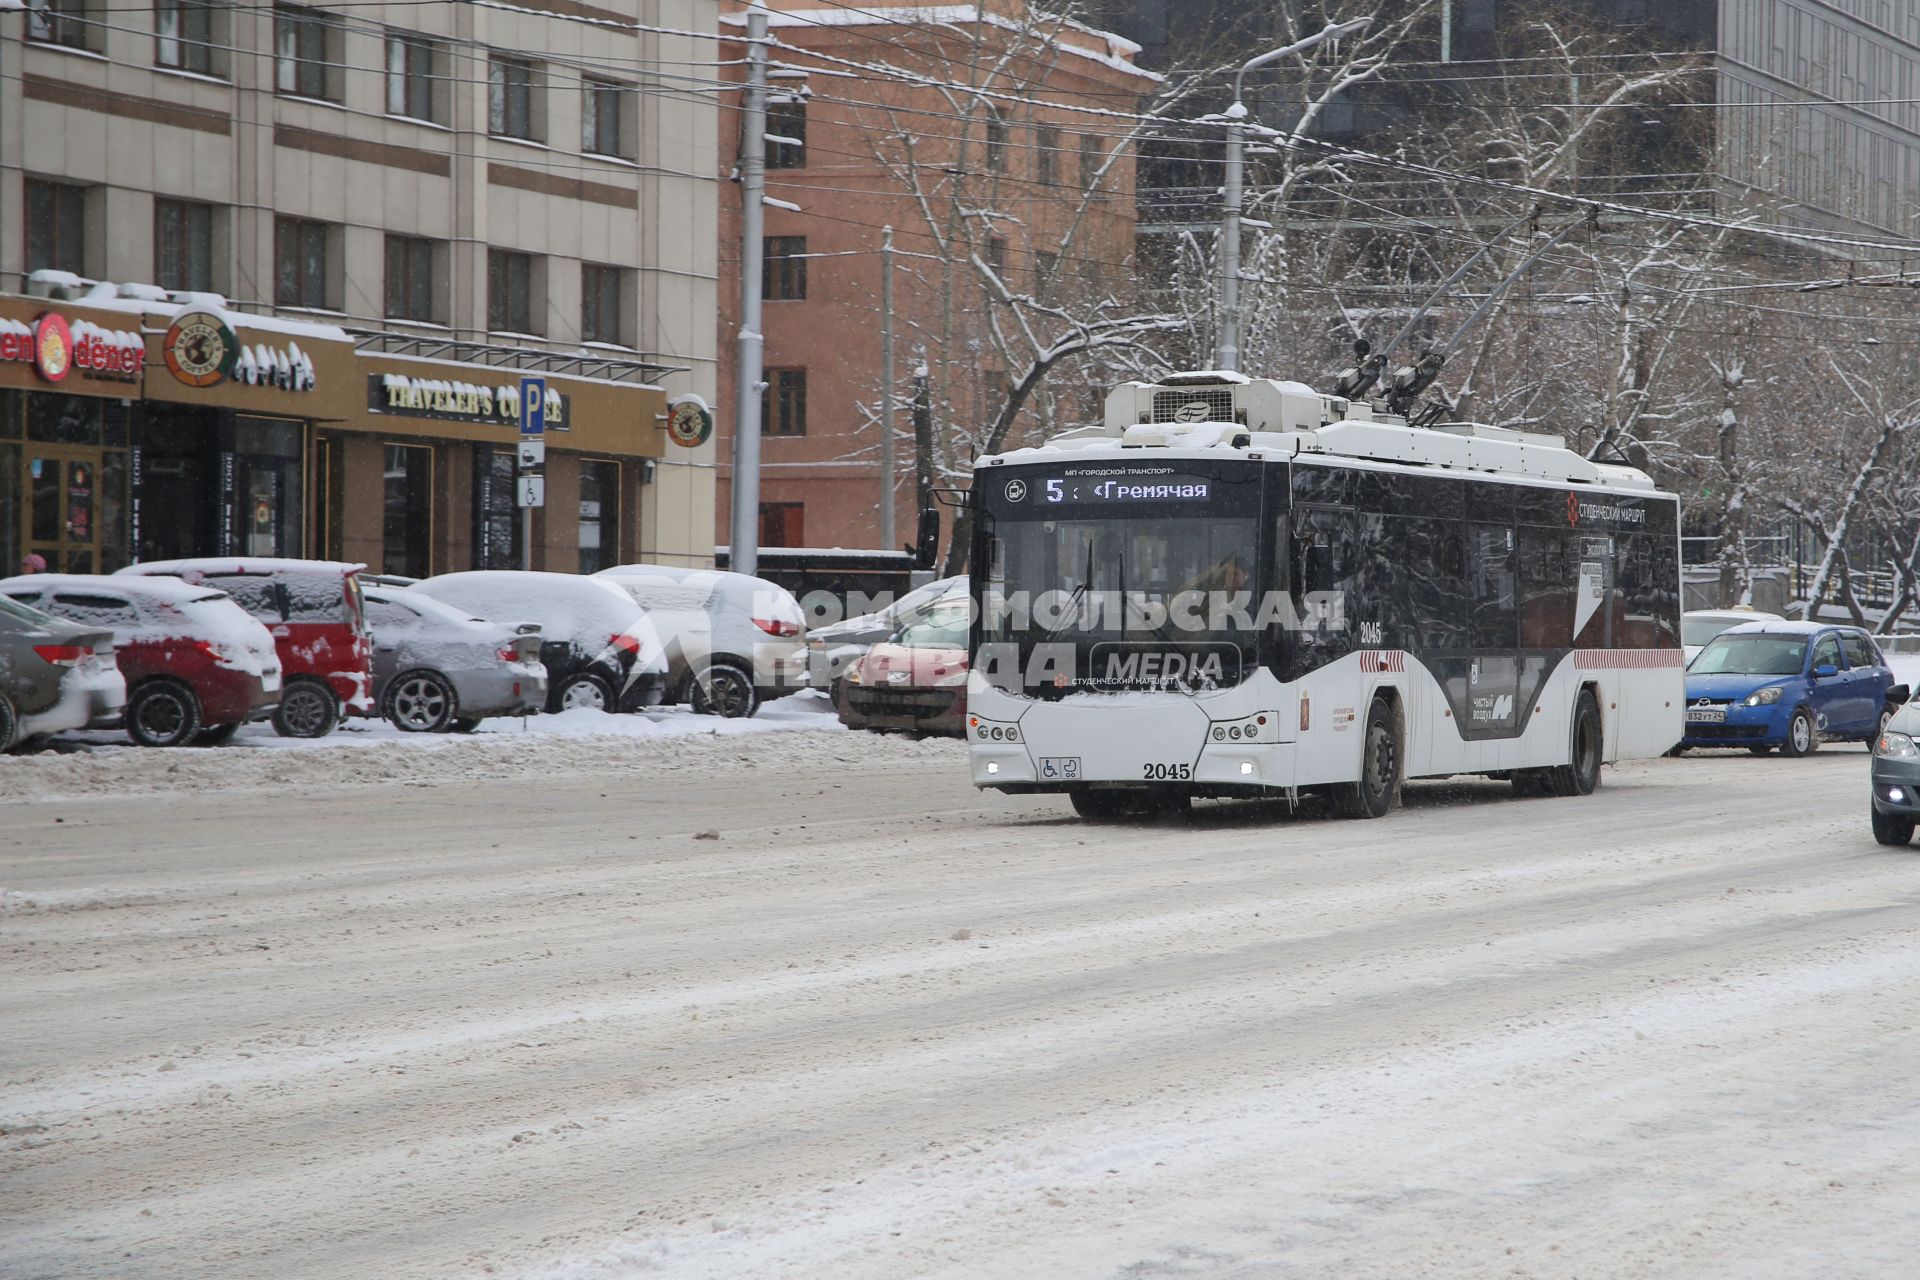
x=70, y=379
x=425, y=481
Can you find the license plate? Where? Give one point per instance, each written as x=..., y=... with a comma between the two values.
x=1060, y=768
x=1706, y=715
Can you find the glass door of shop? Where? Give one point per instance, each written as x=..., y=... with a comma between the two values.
x=61, y=520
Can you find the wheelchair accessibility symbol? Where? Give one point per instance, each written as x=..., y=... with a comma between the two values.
x=1060, y=768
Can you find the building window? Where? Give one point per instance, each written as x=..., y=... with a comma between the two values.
x=783, y=403
x=1046, y=271
x=410, y=278
x=1478, y=17
x=1089, y=161
x=600, y=289
x=783, y=270
x=1046, y=155
x=183, y=245
x=56, y=226
x=511, y=99
x=510, y=292
x=183, y=35
x=997, y=254
x=300, y=276
x=600, y=132
x=996, y=141
x=599, y=516
x=304, y=44
x=407, y=524
x=783, y=524
x=787, y=133
x=410, y=60
x=61, y=22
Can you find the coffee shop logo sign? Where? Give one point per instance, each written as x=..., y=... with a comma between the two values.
x=465, y=401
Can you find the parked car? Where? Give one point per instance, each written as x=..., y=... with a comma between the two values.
x=196, y=665
x=1697, y=626
x=1789, y=685
x=732, y=641
x=595, y=642
x=833, y=648
x=437, y=668
x=312, y=609
x=916, y=680
x=55, y=675
x=1894, y=789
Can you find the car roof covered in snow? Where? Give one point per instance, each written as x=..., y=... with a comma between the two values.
x=163, y=590
x=1787, y=627
x=263, y=565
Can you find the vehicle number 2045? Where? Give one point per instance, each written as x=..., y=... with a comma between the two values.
x=1167, y=772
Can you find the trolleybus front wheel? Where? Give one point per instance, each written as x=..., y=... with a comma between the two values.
x=1581, y=774
x=1372, y=795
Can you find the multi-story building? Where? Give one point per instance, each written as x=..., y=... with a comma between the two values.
x=384, y=216
x=1807, y=112
x=990, y=132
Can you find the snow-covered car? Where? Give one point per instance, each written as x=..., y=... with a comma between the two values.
x=55, y=675
x=733, y=641
x=312, y=609
x=197, y=666
x=916, y=680
x=597, y=645
x=833, y=648
x=437, y=668
x=1697, y=626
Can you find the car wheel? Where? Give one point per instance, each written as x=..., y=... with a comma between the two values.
x=307, y=709
x=1802, y=740
x=216, y=735
x=583, y=690
x=1580, y=776
x=1892, y=828
x=9, y=723
x=465, y=724
x=1372, y=795
x=726, y=691
x=163, y=714
x=420, y=702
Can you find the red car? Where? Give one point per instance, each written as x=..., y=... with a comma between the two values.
x=197, y=667
x=915, y=681
x=316, y=616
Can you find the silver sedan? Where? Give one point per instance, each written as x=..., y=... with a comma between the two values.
x=436, y=668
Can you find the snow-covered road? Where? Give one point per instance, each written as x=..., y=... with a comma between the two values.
x=803, y=1004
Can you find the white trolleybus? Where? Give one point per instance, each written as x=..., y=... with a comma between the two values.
x=1248, y=588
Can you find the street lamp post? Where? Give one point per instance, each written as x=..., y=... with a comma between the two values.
x=1226, y=354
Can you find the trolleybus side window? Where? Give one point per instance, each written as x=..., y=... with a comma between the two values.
x=1491, y=586
x=1546, y=603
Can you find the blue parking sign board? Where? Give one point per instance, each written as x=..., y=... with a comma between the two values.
x=533, y=406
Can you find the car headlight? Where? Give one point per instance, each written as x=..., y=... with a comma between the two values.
x=951, y=680
x=1896, y=746
x=1763, y=697
x=853, y=675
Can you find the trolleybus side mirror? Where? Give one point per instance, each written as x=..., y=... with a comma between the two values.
x=926, y=541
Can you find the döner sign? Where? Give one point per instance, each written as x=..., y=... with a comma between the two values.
x=55, y=346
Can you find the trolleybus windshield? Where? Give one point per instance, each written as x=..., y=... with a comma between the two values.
x=1105, y=577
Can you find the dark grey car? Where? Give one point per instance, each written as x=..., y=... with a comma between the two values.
x=1894, y=802
x=437, y=668
x=55, y=675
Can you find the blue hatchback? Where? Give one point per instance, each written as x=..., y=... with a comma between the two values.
x=1788, y=685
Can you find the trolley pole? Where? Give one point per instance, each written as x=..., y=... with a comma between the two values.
x=888, y=530
x=751, y=370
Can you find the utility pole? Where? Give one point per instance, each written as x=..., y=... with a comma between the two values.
x=1226, y=354
x=922, y=438
x=750, y=371
x=889, y=532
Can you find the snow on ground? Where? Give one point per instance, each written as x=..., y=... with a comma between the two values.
x=371, y=752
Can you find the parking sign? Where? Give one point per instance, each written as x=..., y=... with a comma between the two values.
x=533, y=406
